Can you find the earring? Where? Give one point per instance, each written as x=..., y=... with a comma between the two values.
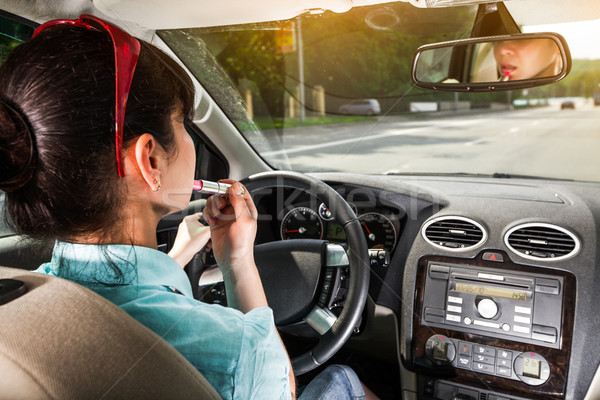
x=158, y=187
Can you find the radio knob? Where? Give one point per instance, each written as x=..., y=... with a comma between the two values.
x=487, y=308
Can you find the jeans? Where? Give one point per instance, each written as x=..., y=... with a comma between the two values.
x=336, y=382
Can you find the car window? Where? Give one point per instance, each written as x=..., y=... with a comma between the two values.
x=13, y=31
x=4, y=229
x=305, y=110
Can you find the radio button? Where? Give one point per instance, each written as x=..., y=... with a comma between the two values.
x=463, y=362
x=503, y=371
x=503, y=363
x=505, y=327
x=434, y=315
x=503, y=354
x=465, y=349
x=453, y=318
x=543, y=333
x=454, y=299
x=487, y=308
x=487, y=368
x=484, y=359
x=550, y=286
x=456, y=309
x=521, y=329
x=522, y=320
x=483, y=350
x=439, y=272
x=468, y=321
x=523, y=310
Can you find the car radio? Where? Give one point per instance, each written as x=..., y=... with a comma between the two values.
x=524, y=306
x=491, y=326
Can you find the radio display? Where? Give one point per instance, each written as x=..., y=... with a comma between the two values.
x=490, y=291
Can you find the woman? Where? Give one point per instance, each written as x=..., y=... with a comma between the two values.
x=79, y=169
x=527, y=58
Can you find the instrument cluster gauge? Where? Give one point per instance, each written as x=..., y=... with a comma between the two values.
x=301, y=223
x=327, y=215
x=324, y=212
x=379, y=231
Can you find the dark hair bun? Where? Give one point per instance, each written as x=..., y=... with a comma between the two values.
x=17, y=148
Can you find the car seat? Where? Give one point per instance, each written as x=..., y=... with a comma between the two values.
x=59, y=340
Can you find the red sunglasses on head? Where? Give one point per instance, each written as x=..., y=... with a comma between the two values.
x=127, y=51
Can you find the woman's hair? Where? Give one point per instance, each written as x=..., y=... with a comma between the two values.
x=57, y=140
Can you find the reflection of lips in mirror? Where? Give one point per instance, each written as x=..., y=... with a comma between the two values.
x=507, y=69
x=524, y=58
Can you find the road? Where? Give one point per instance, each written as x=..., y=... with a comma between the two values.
x=545, y=142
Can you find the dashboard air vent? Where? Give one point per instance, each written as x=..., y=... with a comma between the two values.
x=538, y=241
x=454, y=233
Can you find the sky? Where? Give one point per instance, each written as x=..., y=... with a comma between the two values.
x=582, y=37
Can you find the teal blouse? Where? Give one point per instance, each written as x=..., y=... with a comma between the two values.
x=239, y=354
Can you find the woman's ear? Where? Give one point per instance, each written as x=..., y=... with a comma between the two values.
x=146, y=156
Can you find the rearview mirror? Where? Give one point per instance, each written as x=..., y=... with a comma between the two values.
x=492, y=63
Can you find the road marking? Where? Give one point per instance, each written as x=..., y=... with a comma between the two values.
x=341, y=142
x=446, y=124
x=465, y=122
x=480, y=140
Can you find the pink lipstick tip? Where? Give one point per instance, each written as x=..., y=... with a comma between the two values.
x=198, y=185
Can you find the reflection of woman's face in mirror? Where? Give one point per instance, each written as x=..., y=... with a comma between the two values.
x=525, y=59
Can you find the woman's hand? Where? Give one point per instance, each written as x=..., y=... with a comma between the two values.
x=232, y=219
x=191, y=237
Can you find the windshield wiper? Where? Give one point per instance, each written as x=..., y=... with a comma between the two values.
x=503, y=175
x=498, y=175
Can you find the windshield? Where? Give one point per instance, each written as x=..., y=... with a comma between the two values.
x=333, y=92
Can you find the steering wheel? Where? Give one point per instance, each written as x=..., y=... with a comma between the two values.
x=295, y=273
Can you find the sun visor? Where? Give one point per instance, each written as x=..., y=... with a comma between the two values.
x=542, y=12
x=175, y=14
x=447, y=3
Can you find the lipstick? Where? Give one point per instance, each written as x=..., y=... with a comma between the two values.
x=505, y=77
x=209, y=187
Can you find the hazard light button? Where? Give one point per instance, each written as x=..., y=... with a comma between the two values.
x=489, y=256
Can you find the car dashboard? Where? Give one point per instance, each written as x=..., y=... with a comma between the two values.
x=491, y=281
x=302, y=216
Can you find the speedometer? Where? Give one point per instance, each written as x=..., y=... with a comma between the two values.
x=301, y=223
x=379, y=231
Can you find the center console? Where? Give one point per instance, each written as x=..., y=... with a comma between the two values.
x=488, y=328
